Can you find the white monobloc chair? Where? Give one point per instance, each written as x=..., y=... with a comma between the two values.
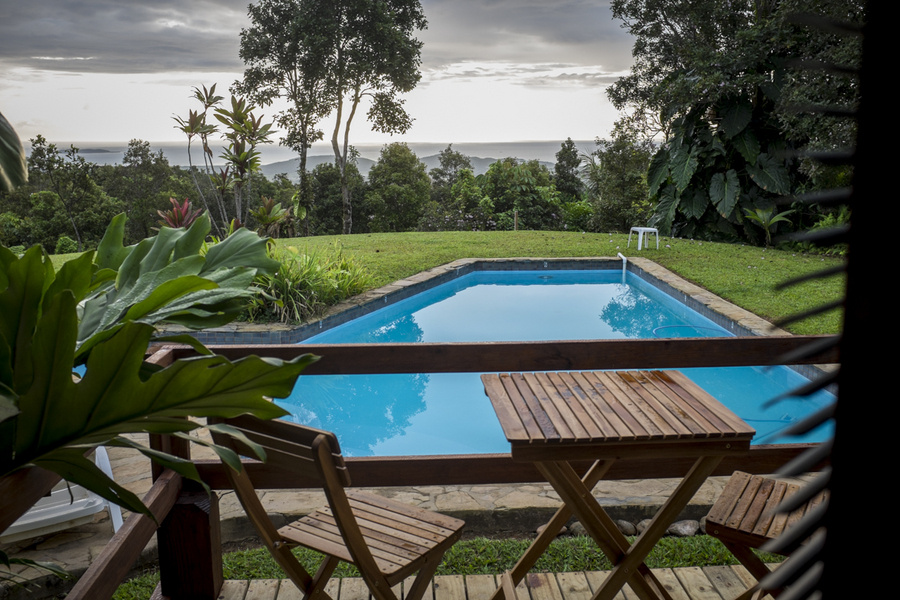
x=642, y=231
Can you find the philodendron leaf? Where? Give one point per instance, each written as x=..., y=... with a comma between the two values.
x=71, y=464
x=13, y=170
x=770, y=174
x=724, y=191
x=683, y=166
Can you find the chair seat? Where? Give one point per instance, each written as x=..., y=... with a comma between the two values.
x=399, y=536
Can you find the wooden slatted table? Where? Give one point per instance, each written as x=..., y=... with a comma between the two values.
x=553, y=418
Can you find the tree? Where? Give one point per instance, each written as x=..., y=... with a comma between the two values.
x=283, y=51
x=522, y=190
x=69, y=177
x=143, y=183
x=714, y=78
x=372, y=55
x=324, y=214
x=398, y=189
x=616, y=175
x=566, y=172
x=446, y=174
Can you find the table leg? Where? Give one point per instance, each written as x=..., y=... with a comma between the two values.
x=551, y=529
x=602, y=528
x=635, y=555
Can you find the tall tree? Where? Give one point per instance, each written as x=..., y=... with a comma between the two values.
x=284, y=53
x=372, y=55
x=68, y=176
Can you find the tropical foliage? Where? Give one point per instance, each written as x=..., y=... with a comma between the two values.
x=98, y=312
x=718, y=81
x=244, y=131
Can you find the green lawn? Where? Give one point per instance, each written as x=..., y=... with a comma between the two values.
x=745, y=275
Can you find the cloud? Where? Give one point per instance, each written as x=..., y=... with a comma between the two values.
x=109, y=36
x=105, y=36
x=571, y=31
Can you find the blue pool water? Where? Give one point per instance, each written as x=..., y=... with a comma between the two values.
x=400, y=415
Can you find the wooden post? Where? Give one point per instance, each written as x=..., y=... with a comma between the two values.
x=190, y=548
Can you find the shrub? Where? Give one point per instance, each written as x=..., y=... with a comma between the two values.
x=305, y=284
x=66, y=245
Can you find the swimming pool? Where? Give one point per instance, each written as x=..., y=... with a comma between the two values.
x=433, y=414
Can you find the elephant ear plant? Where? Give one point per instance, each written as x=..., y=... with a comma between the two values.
x=97, y=313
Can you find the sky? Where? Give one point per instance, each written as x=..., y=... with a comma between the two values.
x=492, y=70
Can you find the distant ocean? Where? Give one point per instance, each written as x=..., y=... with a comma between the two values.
x=278, y=159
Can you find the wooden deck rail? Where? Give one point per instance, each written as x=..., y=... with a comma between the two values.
x=20, y=491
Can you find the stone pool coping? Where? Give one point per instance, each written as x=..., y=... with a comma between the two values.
x=730, y=317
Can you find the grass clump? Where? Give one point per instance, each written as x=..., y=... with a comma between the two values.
x=305, y=285
x=478, y=556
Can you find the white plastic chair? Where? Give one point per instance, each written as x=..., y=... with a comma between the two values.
x=642, y=231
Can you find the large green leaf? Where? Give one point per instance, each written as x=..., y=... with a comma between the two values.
x=725, y=191
x=167, y=279
x=13, y=169
x=658, y=171
x=683, y=166
x=770, y=174
x=694, y=203
x=736, y=116
x=665, y=210
x=747, y=145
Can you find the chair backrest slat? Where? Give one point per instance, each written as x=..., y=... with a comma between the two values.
x=288, y=446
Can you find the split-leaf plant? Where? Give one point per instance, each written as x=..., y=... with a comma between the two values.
x=98, y=314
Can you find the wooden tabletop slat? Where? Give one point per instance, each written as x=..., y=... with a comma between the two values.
x=560, y=413
x=714, y=409
x=605, y=403
x=672, y=405
x=669, y=423
x=642, y=425
x=540, y=417
x=532, y=428
x=509, y=419
x=578, y=403
x=610, y=408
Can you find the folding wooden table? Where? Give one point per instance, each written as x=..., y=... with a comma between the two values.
x=553, y=418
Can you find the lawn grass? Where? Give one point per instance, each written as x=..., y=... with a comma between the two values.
x=475, y=557
x=744, y=275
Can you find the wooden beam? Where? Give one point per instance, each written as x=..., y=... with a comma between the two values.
x=481, y=357
x=475, y=469
x=115, y=561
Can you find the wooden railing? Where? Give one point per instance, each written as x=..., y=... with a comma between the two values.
x=190, y=553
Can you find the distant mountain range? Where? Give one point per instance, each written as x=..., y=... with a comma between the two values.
x=289, y=167
x=278, y=159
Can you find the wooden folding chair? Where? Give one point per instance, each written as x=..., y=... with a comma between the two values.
x=744, y=517
x=387, y=541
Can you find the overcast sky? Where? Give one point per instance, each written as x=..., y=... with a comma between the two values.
x=492, y=70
